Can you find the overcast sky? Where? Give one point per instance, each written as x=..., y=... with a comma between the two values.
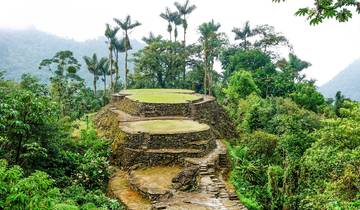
x=330, y=47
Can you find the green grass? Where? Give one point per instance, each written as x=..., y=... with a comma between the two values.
x=174, y=98
x=155, y=91
x=161, y=95
x=165, y=126
x=82, y=124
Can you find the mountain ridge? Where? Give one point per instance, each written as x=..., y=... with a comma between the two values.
x=22, y=50
x=347, y=81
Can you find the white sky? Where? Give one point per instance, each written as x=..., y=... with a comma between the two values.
x=330, y=47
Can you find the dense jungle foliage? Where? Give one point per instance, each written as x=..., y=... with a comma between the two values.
x=296, y=149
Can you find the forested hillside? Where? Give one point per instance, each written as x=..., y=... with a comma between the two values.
x=21, y=51
x=347, y=81
x=289, y=148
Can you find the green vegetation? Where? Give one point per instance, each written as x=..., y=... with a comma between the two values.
x=341, y=10
x=42, y=165
x=296, y=149
x=165, y=126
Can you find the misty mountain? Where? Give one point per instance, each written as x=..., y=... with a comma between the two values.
x=347, y=81
x=21, y=51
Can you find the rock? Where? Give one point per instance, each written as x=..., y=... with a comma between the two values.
x=186, y=180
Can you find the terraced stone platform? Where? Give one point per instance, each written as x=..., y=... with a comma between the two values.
x=164, y=126
x=166, y=145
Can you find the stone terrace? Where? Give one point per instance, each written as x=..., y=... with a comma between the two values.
x=167, y=148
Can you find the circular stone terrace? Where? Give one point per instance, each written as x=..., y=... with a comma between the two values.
x=164, y=126
x=159, y=96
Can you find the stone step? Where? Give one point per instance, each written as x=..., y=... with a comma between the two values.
x=209, y=159
x=200, y=144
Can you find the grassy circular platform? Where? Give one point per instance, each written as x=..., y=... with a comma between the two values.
x=155, y=91
x=164, y=126
x=170, y=98
x=161, y=95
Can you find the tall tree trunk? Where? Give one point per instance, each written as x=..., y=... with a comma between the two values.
x=116, y=68
x=94, y=83
x=175, y=33
x=209, y=80
x=104, y=84
x=184, y=43
x=110, y=68
x=169, y=26
x=205, y=72
x=185, y=27
x=206, y=55
x=126, y=59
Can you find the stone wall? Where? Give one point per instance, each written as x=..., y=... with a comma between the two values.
x=151, y=109
x=160, y=149
x=214, y=115
x=129, y=106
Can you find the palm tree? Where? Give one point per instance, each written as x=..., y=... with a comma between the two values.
x=176, y=19
x=168, y=17
x=243, y=34
x=126, y=25
x=184, y=10
x=92, y=66
x=208, y=33
x=111, y=35
x=152, y=38
x=104, y=71
x=118, y=47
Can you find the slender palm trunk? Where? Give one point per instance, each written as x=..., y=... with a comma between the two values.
x=185, y=27
x=126, y=59
x=116, y=68
x=184, y=43
x=110, y=67
x=209, y=80
x=206, y=68
x=94, y=83
x=104, y=84
x=169, y=26
x=205, y=72
x=175, y=33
